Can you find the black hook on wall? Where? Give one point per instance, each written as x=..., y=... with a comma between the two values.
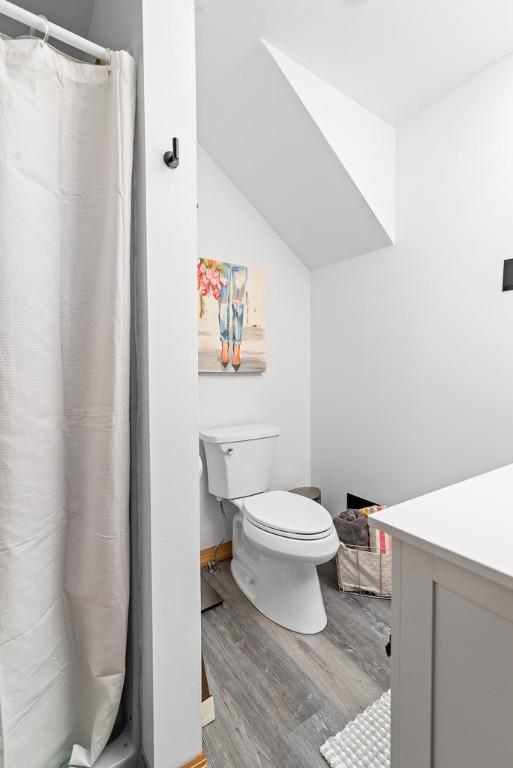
x=172, y=158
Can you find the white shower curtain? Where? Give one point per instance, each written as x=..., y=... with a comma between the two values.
x=66, y=145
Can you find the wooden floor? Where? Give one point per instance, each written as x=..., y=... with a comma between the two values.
x=279, y=695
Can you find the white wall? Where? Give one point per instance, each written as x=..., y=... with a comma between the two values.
x=160, y=33
x=230, y=229
x=170, y=110
x=412, y=349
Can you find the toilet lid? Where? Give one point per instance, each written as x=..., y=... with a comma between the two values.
x=288, y=514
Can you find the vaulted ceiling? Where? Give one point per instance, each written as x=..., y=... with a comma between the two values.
x=391, y=57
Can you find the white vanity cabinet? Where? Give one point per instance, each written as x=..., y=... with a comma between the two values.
x=452, y=625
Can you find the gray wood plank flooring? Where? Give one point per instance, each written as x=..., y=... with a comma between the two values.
x=279, y=695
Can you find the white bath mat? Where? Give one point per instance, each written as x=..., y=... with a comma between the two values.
x=365, y=741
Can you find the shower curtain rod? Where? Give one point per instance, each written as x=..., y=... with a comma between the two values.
x=52, y=30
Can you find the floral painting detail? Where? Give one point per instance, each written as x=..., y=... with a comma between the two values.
x=210, y=278
x=231, y=324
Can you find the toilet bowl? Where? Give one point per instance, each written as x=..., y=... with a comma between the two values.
x=279, y=538
x=275, y=562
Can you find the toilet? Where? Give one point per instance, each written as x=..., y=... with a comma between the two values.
x=278, y=537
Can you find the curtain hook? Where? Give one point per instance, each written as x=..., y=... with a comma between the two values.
x=105, y=60
x=47, y=29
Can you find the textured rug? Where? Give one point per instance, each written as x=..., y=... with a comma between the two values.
x=365, y=741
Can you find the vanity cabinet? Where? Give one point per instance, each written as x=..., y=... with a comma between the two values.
x=452, y=625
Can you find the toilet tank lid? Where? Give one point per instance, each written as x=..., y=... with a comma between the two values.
x=238, y=433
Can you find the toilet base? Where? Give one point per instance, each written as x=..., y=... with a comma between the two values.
x=286, y=591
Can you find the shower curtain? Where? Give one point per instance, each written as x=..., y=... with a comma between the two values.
x=66, y=145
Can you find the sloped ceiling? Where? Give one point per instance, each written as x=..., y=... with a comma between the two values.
x=318, y=166
x=393, y=56
x=363, y=143
x=263, y=114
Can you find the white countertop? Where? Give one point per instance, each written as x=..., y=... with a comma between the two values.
x=469, y=523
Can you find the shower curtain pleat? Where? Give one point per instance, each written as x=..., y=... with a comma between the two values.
x=66, y=146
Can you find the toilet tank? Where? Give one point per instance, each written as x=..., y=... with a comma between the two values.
x=239, y=459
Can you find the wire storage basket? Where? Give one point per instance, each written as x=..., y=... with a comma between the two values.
x=364, y=571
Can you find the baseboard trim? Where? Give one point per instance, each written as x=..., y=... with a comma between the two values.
x=200, y=761
x=223, y=553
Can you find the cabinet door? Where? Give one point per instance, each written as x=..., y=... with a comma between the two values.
x=452, y=667
x=472, y=681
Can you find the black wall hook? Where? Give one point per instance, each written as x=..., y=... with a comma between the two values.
x=172, y=159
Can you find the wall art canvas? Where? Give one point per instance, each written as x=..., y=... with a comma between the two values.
x=232, y=317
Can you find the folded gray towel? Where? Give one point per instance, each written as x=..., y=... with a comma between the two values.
x=352, y=528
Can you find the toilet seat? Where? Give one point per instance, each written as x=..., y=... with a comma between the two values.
x=288, y=515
